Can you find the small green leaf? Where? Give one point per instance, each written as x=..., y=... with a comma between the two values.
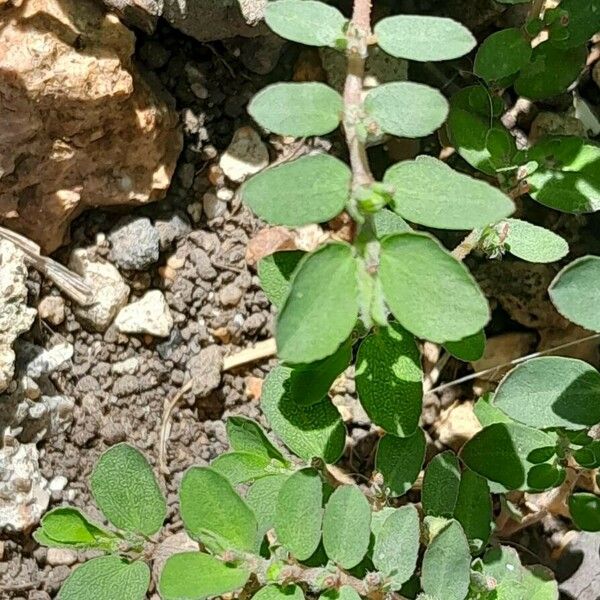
x=386, y=222
x=478, y=99
x=440, y=485
x=474, y=509
x=502, y=54
x=297, y=109
x=214, y=513
x=576, y=292
x=551, y=71
x=545, y=476
x=589, y=455
x=262, y=499
x=299, y=513
x=399, y=460
x=344, y=593
x=312, y=189
x=195, y=576
x=409, y=36
x=501, y=453
x=125, y=488
x=428, y=291
x=277, y=592
x=317, y=318
x=487, y=413
x=407, y=109
x=246, y=435
x=446, y=564
x=585, y=511
x=397, y=545
x=105, y=574
x=567, y=177
x=389, y=379
x=306, y=21
x=308, y=431
x=429, y=192
x=582, y=22
x=243, y=467
x=275, y=272
x=551, y=391
x=468, y=349
x=347, y=526
x=533, y=243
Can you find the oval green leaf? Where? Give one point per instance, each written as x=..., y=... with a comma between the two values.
x=585, y=511
x=126, y=491
x=407, y=109
x=440, y=485
x=195, y=576
x=474, y=509
x=277, y=592
x=246, y=435
x=533, y=243
x=389, y=379
x=399, y=460
x=576, y=292
x=322, y=306
x=214, y=513
x=104, y=575
x=468, y=349
x=344, y=593
x=429, y=192
x=299, y=513
x=308, y=431
x=396, y=546
x=275, y=272
x=428, y=291
x=551, y=391
x=262, y=499
x=410, y=37
x=243, y=467
x=307, y=22
x=502, y=54
x=347, y=526
x=312, y=189
x=297, y=109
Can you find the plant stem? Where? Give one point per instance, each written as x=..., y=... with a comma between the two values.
x=467, y=245
x=358, y=34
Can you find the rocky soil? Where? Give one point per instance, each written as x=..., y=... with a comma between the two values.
x=174, y=281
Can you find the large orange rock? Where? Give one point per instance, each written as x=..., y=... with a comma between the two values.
x=80, y=127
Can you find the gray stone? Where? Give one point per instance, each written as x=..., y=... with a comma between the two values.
x=205, y=370
x=60, y=556
x=142, y=14
x=246, y=155
x=135, y=243
x=579, y=568
x=128, y=366
x=172, y=228
x=110, y=291
x=213, y=206
x=150, y=314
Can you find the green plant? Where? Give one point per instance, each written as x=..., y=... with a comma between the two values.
x=271, y=526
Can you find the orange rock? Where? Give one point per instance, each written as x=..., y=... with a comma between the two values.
x=254, y=387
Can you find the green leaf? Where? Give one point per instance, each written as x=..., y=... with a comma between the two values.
x=317, y=318
x=585, y=511
x=277, y=592
x=502, y=54
x=429, y=192
x=309, y=384
x=479, y=100
x=104, y=575
x=440, y=485
x=545, y=476
x=468, y=349
x=347, y=526
x=407, y=109
x=575, y=292
x=389, y=379
x=551, y=71
x=551, y=391
x=246, y=435
x=195, y=576
x=582, y=22
x=399, y=460
x=344, y=593
x=533, y=243
x=487, y=413
x=214, y=513
x=243, y=467
x=428, y=291
x=275, y=272
x=312, y=189
x=409, y=36
x=397, y=545
x=299, y=513
x=262, y=499
x=501, y=452
x=568, y=175
x=126, y=491
x=386, y=222
x=66, y=527
x=306, y=21
x=297, y=109
x=446, y=564
x=308, y=431
x=589, y=455
x=474, y=509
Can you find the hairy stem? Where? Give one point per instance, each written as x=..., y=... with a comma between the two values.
x=358, y=34
x=467, y=245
